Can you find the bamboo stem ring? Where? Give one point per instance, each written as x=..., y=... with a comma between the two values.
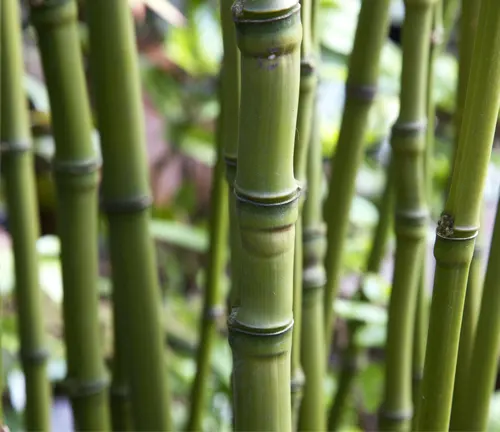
x=34, y=357
x=365, y=93
x=15, y=146
x=77, y=389
x=126, y=205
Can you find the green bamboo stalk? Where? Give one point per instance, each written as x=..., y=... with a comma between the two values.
x=308, y=81
x=458, y=226
x=450, y=10
x=408, y=143
x=360, y=92
x=422, y=312
x=353, y=356
x=1, y=301
x=460, y=403
x=215, y=271
x=75, y=165
x=19, y=181
x=125, y=200
x=260, y=328
x=312, y=414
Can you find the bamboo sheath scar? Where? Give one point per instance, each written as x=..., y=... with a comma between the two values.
x=19, y=182
x=260, y=327
x=459, y=223
x=361, y=90
x=75, y=166
x=125, y=200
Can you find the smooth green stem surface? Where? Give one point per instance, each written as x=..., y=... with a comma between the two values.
x=459, y=222
x=211, y=300
x=260, y=327
x=361, y=88
x=75, y=166
x=125, y=200
x=411, y=217
x=19, y=183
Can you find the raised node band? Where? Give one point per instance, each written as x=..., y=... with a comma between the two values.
x=447, y=230
x=366, y=93
x=51, y=13
x=396, y=415
x=287, y=200
x=238, y=13
x=296, y=385
x=15, y=146
x=35, y=356
x=76, y=168
x=126, y=205
x=252, y=332
x=415, y=217
x=231, y=161
x=78, y=389
x=213, y=313
x=409, y=129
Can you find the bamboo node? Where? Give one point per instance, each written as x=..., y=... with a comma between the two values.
x=398, y=416
x=133, y=204
x=78, y=389
x=76, y=168
x=408, y=129
x=15, y=146
x=445, y=226
x=365, y=93
x=34, y=356
x=51, y=13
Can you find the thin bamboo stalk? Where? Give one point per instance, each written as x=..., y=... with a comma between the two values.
x=125, y=200
x=460, y=403
x=260, y=328
x=19, y=181
x=312, y=409
x=408, y=143
x=361, y=89
x=75, y=165
x=422, y=312
x=1, y=301
x=215, y=271
x=459, y=222
x=307, y=92
x=353, y=355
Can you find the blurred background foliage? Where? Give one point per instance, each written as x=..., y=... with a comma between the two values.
x=181, y=51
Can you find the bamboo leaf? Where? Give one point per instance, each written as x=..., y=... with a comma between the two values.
x=179, y=234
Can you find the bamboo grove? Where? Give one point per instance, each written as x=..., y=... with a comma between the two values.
x=279, y=222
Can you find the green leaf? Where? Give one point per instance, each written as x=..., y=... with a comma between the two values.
x=371, y=381
x=372, y=336
x=179, y=234
x=360, y=311
x=363, y=213
x=376, y=288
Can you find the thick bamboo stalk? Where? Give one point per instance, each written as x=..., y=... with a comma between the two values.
x=75, y=165
x=353, y=356
x=422, y=312
x=19, y=181
x=408, y=143
x=361, y=89
x=125, y=200
x=459, y=223
x=312, y=414
x=260, y=328
x=460, y=403
x=307, y=92
x=211, y=303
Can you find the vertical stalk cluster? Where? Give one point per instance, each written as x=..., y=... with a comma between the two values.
x=75, y=166
x=18, y=175
x=125, y=200
x=211, y=307
x=361, y=89
x=408, y=143
x=458, y=227
x=308, y=81
x=260, y=327
x=461, y=396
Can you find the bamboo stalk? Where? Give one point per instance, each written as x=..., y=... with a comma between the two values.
x=408, y=143
x=125, y=200
x=75, y=165
x=260, y=328
x=353, y=355
x=459, y=222
x=211, y=308
x=460, y=403
x=361, y=89
x=2, y=65
x=312, y=409
x=18, y=175
x=307, y=92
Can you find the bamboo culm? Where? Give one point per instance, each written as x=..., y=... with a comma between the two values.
x=19, y=181
x=211, y=300
x=260, y=327
x=361, y=89
x=307, y=92
x=461, y=396
x=352, y=357
x=125, y=201
x=75, y=164
x=459, y=223
x=411, y=216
